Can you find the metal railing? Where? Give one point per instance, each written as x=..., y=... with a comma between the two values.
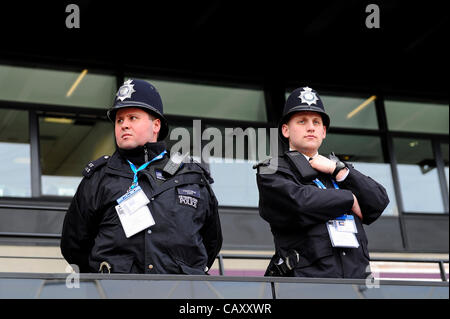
x=220, y=258
x=440, y=262
x=59, y=285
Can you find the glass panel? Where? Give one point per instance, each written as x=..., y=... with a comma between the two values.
x=57, y=289
x=181, y=138
x=352, y=112
x=185, y=289
x=365, y=153
x=347, y=291
x=67, y=145
x=234, y=183
x=444, y=150
x=82, y=88
x=217, y=289
x=418, y=176
x=232, y=153
x=211, y=101
x=417, y=117
x=15, y=175
x=19, y=288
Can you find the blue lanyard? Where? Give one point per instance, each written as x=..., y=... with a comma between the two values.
x=135, y=171
x=322, y=186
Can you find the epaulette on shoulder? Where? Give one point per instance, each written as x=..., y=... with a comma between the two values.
x=265, y=162
x=92, y=166
x=268, y=166
x=205, y=170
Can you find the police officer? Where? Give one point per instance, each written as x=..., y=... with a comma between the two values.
x=141, y=210
x=315, y=205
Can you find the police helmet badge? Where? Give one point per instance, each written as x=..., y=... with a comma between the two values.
x=125, y=90
x=308, y=96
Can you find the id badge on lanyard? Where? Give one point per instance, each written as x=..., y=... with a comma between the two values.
x=132, y=208
x=133, y=212
x=341, y=230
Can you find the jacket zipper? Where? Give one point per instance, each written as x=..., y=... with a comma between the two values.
x=145, y=155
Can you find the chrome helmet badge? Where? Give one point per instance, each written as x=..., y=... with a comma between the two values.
x=308, y=96
x=125, y=90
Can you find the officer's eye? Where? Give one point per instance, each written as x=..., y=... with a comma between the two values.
x=133, y=117
x=119, y=121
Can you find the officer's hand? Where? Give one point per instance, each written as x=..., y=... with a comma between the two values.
x=355, y=208
x=323, y=164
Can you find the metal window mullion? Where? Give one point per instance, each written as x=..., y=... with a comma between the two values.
x=389, y=156
x=382, y=126
x=441, y=172
x=35, y=166
x=120, y=78
x=274, y=102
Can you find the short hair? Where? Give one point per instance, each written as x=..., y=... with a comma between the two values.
x=152, y=118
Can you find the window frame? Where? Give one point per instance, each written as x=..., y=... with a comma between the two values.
x=274, y=93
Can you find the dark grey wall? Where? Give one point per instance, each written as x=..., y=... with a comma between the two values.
x=245, y=229
x=427, y=233
x=384, y=234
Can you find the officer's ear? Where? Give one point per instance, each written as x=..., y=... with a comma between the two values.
x=156, y=125
x=285, y=130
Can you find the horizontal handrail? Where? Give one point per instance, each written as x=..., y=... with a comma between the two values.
x=388, y=259
x=30, y=235
x=36, y=207
x=32, y=257
x=264, y=257
x=439, y=261
x=221, y=257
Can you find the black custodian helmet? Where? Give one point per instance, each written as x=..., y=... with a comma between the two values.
x=143, y=95
x=302, y=99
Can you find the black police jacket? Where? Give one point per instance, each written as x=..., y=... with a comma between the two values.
x=185, y=239
x=297, y=211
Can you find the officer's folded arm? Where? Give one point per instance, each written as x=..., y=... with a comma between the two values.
x=302, y=204
x=372, y=196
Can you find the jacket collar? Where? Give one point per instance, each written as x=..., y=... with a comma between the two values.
x=142, y=154
x=118, y=160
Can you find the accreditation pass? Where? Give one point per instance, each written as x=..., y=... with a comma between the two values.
x=342, y=231
x=133, y=211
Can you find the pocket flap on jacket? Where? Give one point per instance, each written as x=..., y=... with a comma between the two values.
x=314, y=249
x=120, y=263
x=188, y=270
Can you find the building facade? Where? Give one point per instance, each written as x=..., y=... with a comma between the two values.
x=53, y=122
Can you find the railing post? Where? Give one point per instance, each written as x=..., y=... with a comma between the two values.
x=272, y=285
x=221, y=269
x=442, y=269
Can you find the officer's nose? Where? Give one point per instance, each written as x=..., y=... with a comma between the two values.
x=125, y=124
x=310, y=127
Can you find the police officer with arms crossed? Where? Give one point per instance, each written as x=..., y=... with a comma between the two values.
x=315, y=205
x=141, y=210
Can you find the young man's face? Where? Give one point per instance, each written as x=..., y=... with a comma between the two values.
x=134, y=127
x=305, y=131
